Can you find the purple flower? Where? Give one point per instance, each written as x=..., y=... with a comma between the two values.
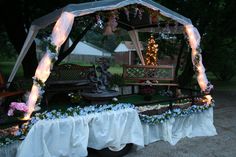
x=22, y=107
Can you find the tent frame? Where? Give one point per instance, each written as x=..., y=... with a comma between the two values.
x=64, y=19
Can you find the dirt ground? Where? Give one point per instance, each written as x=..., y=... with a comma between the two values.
x=221, y=145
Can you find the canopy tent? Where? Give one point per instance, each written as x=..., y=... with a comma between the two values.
x=64, y=19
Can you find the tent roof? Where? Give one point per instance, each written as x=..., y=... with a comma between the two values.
x=105, y=5
x=126, y=46
x=85, y=48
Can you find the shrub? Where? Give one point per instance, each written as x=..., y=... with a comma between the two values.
x=116, y=79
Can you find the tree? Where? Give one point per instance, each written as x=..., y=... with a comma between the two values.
x=214, y=20
x=14, y=25
x=17, y=22
x=151, y=54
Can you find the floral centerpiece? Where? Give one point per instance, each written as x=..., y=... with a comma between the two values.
x=17, y=109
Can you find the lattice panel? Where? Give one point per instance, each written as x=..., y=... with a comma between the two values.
x=135, y=72
x=149, y=73
x=163, y=73
x=70, y=72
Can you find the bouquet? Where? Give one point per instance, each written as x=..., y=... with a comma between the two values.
x=17, y=109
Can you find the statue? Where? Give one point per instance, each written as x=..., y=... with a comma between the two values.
x=100, y=77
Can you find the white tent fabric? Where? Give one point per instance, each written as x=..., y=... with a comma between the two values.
x=59, y=34
x=135, y=38
x=91, y=7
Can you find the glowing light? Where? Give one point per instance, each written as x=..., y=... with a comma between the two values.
x=194, y=52
x=32, y=99
x=209, y=99
x=151, y=54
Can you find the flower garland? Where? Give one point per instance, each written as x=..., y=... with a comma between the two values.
x=73, y=112
x=159, y=106
x=156, y=119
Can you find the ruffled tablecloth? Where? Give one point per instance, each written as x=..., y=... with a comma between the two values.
x=172, y=130
x=70, y=137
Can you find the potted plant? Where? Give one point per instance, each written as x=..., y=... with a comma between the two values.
x=147, y=92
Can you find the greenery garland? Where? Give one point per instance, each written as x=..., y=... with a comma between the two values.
x=156, y=119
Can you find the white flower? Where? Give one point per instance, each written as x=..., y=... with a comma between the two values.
x=114, y=99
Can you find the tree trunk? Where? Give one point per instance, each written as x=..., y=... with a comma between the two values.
x=15, y=27
x=185, y=78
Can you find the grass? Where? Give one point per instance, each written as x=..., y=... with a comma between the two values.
x=6, y=68
x=116, y=69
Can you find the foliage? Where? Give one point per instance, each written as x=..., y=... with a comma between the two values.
x=7, y=51
x=222, y=62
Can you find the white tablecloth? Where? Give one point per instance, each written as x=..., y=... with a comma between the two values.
x=70, y=137
x=196, y=124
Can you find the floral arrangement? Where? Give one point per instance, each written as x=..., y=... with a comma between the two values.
x=18, y=109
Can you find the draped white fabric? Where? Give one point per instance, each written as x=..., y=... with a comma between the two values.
x=194, y=42
x=197, y=124
x=9, y=150
x=60, y=32
x=135, y=39
x=71, y=136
